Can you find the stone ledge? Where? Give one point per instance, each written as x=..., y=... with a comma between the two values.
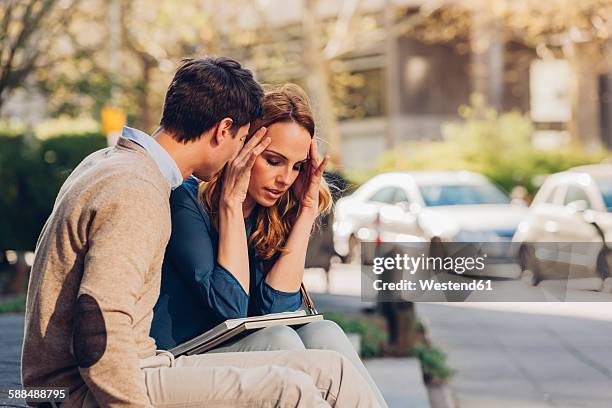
x=400, y=380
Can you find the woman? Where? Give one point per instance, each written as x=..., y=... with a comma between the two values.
x=239, y=241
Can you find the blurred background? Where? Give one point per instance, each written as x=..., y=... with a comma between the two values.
x=510, y=89
x=444, y=116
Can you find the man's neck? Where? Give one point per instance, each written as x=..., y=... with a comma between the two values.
x=176, y=150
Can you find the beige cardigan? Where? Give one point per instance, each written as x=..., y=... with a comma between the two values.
x=96, y=278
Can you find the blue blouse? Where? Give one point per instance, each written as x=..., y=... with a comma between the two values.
x=196, y=292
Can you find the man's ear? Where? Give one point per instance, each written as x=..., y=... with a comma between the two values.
x=223, y=130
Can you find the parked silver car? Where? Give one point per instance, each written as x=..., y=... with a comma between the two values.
x=568, y=229
x=423, y=206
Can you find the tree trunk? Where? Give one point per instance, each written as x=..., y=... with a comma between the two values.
x=317, y=79
x=145, y=119
x=401, y=323
x=393, y=80
x=399, y=314
x=585, y=121
x=487, y=69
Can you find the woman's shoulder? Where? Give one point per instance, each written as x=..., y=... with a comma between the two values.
x=187, y=195
x=190, y=185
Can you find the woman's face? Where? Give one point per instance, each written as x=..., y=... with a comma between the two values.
x=278, y=166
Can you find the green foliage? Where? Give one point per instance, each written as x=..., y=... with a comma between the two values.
x=433, y=362
x=13, y=305
x=372, y=337
x=495, y=144
x=31, y=174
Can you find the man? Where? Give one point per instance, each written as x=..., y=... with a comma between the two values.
x=96, y=273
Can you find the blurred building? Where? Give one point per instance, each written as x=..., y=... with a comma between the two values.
x=407, y=84
x=394, y=70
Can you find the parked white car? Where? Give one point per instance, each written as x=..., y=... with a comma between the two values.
x=571, y=208
x=420, y=206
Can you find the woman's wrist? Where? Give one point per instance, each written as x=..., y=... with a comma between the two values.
x=230, y=208
x=308, y=213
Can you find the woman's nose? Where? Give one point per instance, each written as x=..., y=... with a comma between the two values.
x=284, y=177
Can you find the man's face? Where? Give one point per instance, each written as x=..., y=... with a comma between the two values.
x=219, y=155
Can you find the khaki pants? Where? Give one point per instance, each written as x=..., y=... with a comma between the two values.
x=297, y=378
x=322, y=335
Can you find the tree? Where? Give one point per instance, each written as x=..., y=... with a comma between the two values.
x=28, y=28
x=132, y=47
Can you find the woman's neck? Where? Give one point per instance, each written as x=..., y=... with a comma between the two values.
x=248, y=206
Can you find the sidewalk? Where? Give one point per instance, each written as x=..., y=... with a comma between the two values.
x=510, y=355
x=11, y=327
x=510, y=359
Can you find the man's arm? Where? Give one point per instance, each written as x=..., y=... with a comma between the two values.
x=123, y=239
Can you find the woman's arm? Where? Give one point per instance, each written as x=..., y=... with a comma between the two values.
x=288, y=271
x=191, y=253
x=233, y=250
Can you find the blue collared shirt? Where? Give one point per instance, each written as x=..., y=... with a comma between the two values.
x=196, y=292
x=166, y=164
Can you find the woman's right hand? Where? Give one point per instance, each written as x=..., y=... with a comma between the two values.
x=238, y=170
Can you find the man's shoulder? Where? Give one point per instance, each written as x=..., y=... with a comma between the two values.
x=115, y=174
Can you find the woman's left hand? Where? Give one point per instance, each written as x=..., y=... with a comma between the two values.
x=307, y=185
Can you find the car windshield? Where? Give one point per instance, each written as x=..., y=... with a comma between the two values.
x=605, y=186
x=462, y=194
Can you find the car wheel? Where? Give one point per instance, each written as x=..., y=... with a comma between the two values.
x=529, y=266
x=604, y=263
x=354, y=255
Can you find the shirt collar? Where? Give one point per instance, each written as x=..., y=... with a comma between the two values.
x=166, y=164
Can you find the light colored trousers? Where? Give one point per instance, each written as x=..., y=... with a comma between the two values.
x=322, y=334
x=294, y=378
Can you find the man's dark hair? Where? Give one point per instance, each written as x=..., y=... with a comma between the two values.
x=206, y=90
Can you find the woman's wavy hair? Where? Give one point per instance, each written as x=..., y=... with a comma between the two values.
x=287, y=103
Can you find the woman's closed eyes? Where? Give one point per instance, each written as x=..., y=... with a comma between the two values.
x=273, y=161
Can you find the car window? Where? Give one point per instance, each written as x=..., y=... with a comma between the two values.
x=551, y=195
x=462, y=194
x=400, y=196
x=576, y=193
x=384, y=195
x=605, y=186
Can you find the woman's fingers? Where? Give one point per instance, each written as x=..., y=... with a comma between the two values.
x=322, y=166
x=314, y=159
x=318, y=172
x=256, y=152
x=251, y=144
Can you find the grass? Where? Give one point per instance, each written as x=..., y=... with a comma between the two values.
x=433, y=362
x=372, y=336
x=14, y=304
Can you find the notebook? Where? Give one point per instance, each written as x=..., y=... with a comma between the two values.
x=233, y=327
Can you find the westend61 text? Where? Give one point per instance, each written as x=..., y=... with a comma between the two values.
x=430, y=284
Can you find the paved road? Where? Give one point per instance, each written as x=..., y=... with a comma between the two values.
x=507, y=355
